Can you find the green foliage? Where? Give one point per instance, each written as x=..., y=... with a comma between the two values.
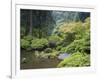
x=54, y=54
x=39, y=43
x=40, y=32
x=77, y=45
x=59, y=47
x=64, y=49
x=48, y=50
x=28, y=37
x=76, y=60
x=87, y=23
x=81, y=39
x=69, y=37
x=68, y=27
x=54, y=40
x=43, y=54
x=73, y=38
x=24, y=43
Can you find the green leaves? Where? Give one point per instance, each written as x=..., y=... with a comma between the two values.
x=54, y=39
x=79, y=47
x=73, y=38
x=24, y=43
x=28, y=37
x=39, y=43
x=76, y=60
x=81, y=40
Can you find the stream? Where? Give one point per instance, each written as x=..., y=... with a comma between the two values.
x=32, y=62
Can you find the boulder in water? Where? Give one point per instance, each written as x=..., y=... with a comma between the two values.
x=63, y=55
x=23, y=60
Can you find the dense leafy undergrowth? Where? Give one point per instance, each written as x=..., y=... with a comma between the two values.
x=76, y=60
x=72, y=38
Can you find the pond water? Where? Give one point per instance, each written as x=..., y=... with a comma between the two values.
x=32, y=62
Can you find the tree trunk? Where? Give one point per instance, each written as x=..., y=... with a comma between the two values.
x=31, y=24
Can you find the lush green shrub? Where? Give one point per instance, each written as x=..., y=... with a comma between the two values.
x=77, y=45
x=68, y=27
x=28, y=37
x=54, y=54
x=59, y=48
x=54, y=40
x=39, y=43
x=76, y=60
x=71, y=31
x=83, y=30
x=48, y=50
x=44, y=55
x=64, y=49
x=81, y=40
x=24, y=43
x=86, y=24
x=69, y=37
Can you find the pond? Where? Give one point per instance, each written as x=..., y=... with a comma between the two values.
x=33, y=62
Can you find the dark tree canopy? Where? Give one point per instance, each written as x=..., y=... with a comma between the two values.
x=48, y=20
